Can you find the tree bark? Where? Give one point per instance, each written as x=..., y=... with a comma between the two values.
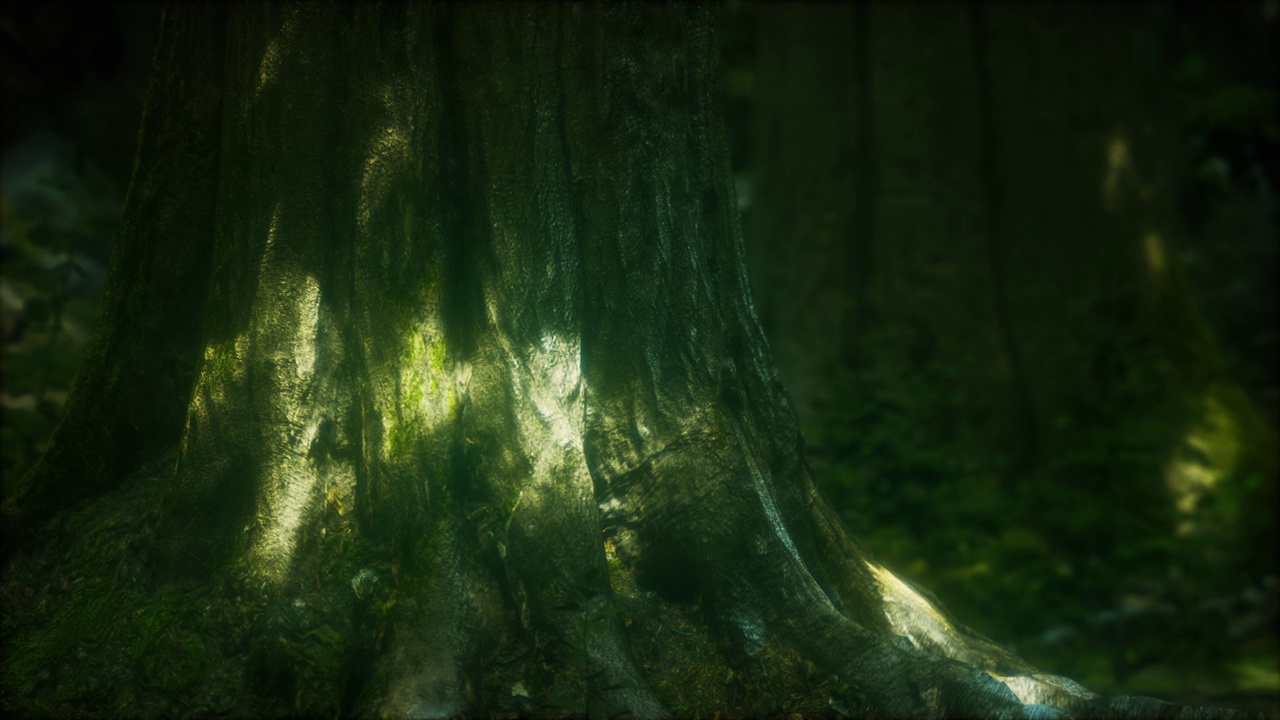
x=480, y=408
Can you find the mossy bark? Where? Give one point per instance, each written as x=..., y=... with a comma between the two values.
x=481, y=408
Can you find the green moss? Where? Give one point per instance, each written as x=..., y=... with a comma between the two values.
x=85, y=620
x=174, y=661
x=403, y=439
x=114, y=628
x=429, y=360
x=84, y=626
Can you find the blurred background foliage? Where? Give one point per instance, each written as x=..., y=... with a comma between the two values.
x=1072, y=546
x=1018, y=265
x=73, y=82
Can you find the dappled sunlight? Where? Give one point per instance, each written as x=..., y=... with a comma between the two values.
x=268, y=250
x=267, y=66
x=1121, y=173
x=913, y=616
x=550, y=376
x=287, y=493
x=1039, y=688
x=1211, y=452
x=291, y=478
x=429, y=386
x=304, y=341
x=764, y=492
x=1157, y=261
x=1118, y=162
x=388, y=148
x=223, y=367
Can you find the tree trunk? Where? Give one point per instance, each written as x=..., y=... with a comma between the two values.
x=964, y=195
x=428, y=384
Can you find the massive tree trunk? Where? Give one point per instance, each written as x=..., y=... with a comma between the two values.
x=428, y=384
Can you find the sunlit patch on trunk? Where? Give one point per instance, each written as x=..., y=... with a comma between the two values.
x=917, y=619
x=291, y=479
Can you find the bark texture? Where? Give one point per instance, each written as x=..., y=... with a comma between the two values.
x=480, y=405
